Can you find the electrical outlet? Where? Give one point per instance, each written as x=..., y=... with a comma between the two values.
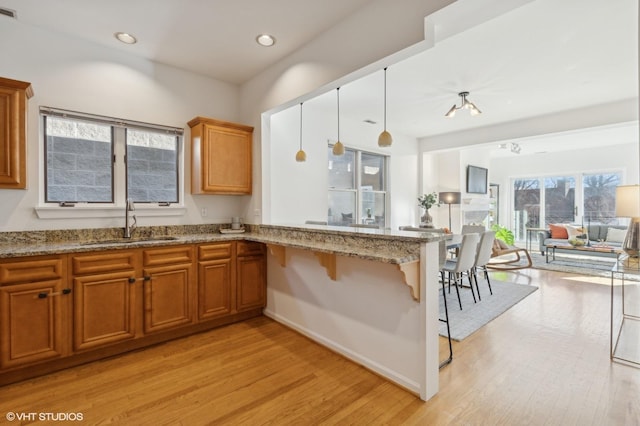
x=203, y=212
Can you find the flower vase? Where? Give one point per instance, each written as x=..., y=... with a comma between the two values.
x=427, y=220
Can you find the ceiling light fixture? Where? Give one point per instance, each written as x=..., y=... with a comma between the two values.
x=301, y=156
x=385, y=139
x=473, y=110
x=338, y=147
x=265, y=40
x=126, y=38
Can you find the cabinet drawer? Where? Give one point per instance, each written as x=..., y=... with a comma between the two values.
x=214, y=251
x=30, y=270
x=168, y=255
x=247, y=248
x=103, y=262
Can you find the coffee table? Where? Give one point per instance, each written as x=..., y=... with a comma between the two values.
x=599, y=248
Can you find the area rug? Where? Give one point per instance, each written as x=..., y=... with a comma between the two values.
x=585, y=265
x=474, y=315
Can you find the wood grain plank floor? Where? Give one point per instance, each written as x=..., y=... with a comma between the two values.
x=543, y=362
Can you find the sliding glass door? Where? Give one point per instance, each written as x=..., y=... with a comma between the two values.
x=581, y=199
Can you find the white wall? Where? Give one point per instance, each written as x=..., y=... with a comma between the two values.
x=299, y=190
x=71, y=74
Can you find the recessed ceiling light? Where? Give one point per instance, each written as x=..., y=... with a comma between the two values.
x=126, y=38
x=265, y=40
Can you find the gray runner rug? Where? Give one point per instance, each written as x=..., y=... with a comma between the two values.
x=474, y=315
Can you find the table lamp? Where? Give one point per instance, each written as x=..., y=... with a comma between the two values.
x=628, y=205
x=449, y=198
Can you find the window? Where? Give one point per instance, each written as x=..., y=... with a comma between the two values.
x=357, y=188
x=101, y=160
x=584, y=199
x=600, y=196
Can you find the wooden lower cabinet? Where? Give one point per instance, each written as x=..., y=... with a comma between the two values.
x=33, y=302
x=104, y=304
x=215, y=281
x=251, y=282
x=169, y=297
x=59, y=311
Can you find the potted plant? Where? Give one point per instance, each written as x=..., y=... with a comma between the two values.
x=426, y=201
x=504, y=234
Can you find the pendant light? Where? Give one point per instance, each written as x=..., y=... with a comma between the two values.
x=301, y=156
x=338, y=147
x=385, y=139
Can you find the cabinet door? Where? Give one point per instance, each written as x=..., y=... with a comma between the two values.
x=13, y=122
x=214, y=288
x=251, y=282
x=221, y=157
x=168, y=297
x=104, y=309
x=31, y=326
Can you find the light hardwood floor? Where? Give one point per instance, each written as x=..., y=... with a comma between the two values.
x=543, y=362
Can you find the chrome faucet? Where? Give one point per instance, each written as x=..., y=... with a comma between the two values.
x=129, y=227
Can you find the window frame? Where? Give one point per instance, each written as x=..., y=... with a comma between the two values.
x=579, y=200
x=358, y=189
x=58, y=210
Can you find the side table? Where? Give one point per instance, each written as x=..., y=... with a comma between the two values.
x=528, y=238
x=624, y=344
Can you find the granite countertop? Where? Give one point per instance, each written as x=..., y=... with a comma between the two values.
x=372, y=244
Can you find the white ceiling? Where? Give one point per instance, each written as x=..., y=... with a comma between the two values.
x=210, y=37
x=545, y=57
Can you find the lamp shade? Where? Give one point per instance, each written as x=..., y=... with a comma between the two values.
x=628, y=201
x=449, y=197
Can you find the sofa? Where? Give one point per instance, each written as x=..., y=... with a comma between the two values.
x=611, y=235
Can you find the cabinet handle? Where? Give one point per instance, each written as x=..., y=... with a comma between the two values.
x=44, y=295
x=147, y=278
x=132, y=280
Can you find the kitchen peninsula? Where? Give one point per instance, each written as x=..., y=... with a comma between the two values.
x=370, y=295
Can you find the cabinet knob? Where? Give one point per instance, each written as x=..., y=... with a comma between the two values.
x=132, y=280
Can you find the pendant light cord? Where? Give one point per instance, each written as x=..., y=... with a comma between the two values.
x=385, y=98
x=301, y=126
x=338, y=91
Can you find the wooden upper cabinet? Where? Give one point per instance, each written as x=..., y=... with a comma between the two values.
x=13, y=130
x=220, y=157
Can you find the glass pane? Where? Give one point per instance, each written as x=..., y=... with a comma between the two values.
x=560, y=196
x=526, y=199
x=373, y=208
x=152, y=166
x=79, y=166
x=600, y=197
x=342, y=207
x=342, y=170
x=372, y=173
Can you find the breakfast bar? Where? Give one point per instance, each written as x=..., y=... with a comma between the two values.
x=368, y=294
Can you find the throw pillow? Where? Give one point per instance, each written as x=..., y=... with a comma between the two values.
x=558, y=231
x=616, y=235
x=575, y=232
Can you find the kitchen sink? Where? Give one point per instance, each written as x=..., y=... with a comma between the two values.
x=128, y=240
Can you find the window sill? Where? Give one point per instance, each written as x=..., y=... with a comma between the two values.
x=80, y=212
